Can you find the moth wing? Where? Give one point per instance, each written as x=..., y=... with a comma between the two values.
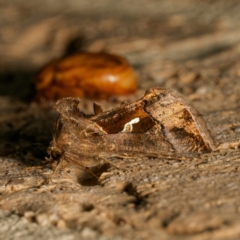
x=69, y=111
x=181, y=123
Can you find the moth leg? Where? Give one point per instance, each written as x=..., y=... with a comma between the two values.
x=55, y=170
x=111, y=163
x=80, y=165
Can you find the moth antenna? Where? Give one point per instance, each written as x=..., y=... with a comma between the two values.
x=55, y=129
x=53, y=132
x=97, y=108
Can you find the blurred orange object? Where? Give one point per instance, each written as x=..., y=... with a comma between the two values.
x=96, y=75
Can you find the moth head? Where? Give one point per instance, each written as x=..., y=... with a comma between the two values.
x=55, y=153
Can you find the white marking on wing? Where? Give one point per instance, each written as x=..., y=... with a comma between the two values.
x=128, y=126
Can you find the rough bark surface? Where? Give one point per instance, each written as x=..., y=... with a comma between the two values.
x=190, y=46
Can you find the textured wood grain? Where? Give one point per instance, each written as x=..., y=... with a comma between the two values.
x=191, y=47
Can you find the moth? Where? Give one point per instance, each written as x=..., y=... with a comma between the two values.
x=161, y=124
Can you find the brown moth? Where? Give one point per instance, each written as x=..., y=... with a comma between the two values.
x=160, y=124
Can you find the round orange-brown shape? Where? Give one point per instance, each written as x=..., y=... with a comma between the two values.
x=97, y=75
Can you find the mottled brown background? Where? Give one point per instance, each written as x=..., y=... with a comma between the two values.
x=191, y=46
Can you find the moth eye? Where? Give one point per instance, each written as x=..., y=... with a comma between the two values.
x=55, y=154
